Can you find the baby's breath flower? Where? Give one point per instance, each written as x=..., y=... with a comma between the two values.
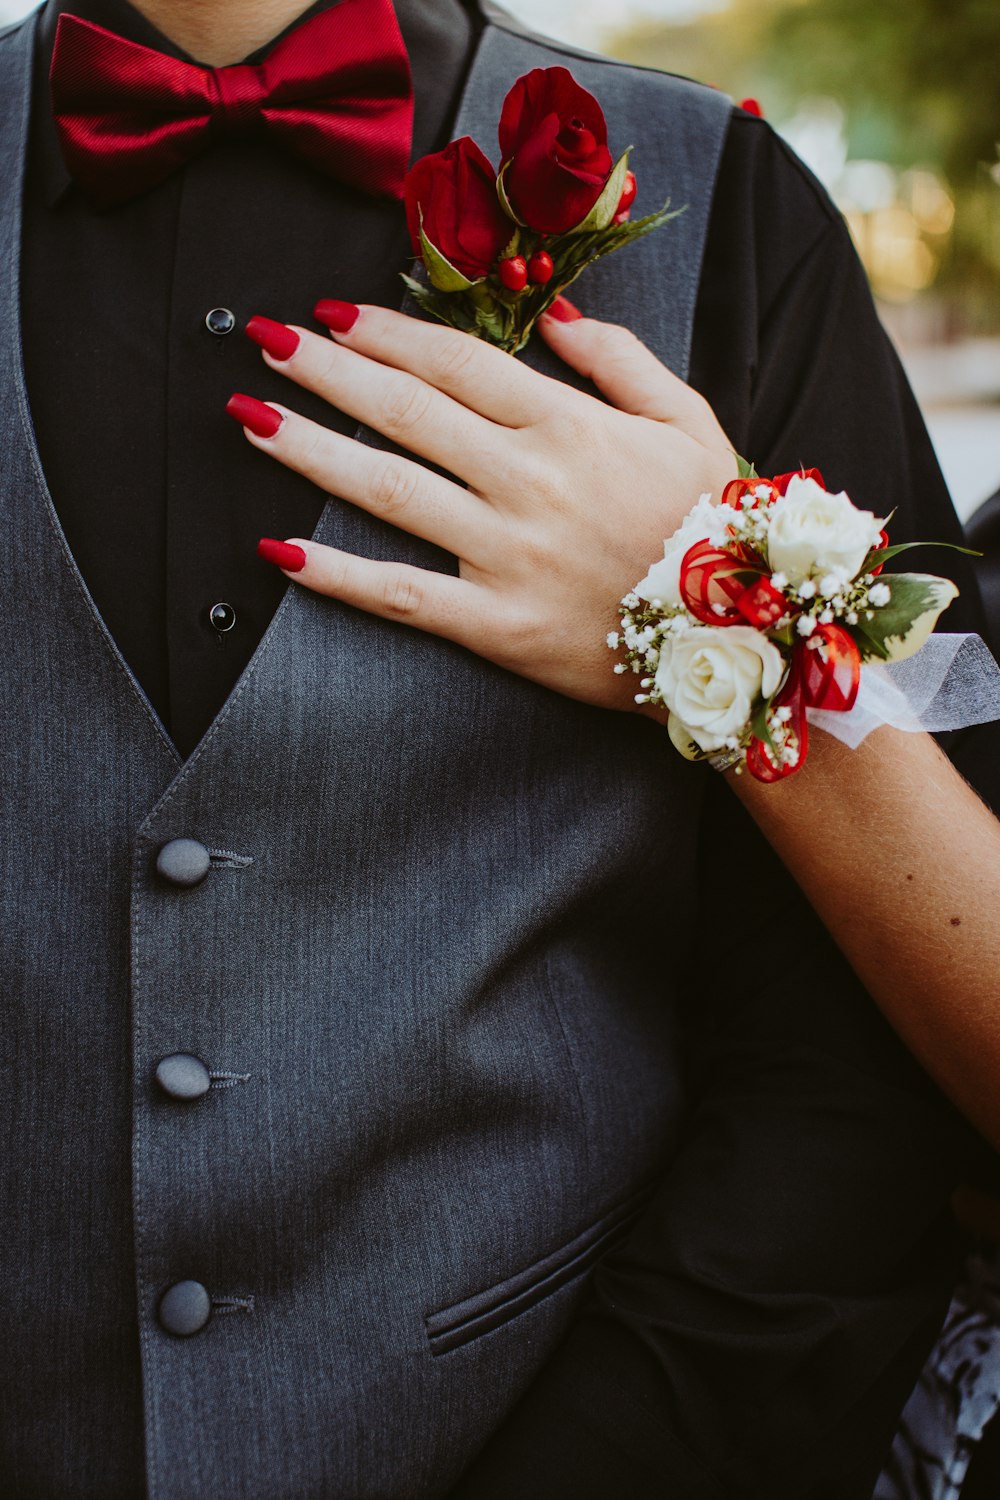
x=879, y=594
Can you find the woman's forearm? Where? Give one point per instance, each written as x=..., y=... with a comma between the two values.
x=901, y=861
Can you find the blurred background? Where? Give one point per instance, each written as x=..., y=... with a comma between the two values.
x=895, y=105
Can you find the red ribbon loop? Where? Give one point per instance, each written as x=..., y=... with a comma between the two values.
x=762, y=605
x=782, y=481
x=709, y=585
x=796, y=730
x=830, y=669
x=763, y=491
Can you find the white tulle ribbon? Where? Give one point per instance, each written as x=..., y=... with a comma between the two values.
x=951, y=682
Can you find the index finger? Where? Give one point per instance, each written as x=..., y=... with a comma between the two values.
x=480, y=376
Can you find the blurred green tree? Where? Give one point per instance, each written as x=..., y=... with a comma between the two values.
x=919, y=81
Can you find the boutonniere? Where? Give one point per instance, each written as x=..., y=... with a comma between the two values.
x=499, y=247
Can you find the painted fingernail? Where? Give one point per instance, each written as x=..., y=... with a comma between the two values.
x=563, y=311
x=339, y=317
x=283, y=554
x=277, y=340
x=262, y=420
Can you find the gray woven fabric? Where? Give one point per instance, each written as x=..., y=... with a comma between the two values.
x=449, y=1083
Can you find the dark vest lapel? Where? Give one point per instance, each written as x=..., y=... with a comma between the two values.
x=50, y=575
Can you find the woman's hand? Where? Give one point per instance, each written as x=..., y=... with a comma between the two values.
x=568, y=499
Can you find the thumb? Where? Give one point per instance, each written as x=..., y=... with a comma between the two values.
x=625, y=371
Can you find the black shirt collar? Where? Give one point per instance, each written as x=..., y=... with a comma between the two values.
x=440, y=37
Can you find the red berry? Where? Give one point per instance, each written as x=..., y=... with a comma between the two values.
x=752, y=108
x=540, y=267
x=628, y=193
x=514, y=273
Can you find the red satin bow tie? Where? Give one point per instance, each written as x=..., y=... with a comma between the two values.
x=337, y=90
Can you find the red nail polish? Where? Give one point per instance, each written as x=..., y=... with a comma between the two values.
x=283, y=554
x=339, y=317
x=262, y=420
x=563, y=311
x=274, y=338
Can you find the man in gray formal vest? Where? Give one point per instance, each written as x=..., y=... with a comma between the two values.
x=335, y=1060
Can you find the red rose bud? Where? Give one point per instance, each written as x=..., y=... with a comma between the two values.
x=628, y=194
x=455, y=190
x=554, y=140
x=540, y=267
x=514, y=273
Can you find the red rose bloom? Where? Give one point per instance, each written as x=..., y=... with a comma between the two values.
x=455, y=190
x=554, y=136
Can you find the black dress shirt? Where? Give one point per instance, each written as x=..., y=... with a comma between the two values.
x=161, y=498
x=162, y=501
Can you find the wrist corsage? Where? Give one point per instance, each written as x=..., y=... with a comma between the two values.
x=499, y=247
x=766, y=614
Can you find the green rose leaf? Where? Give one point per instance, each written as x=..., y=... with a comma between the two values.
x=682, y=739
x=759, y=727
x=880, y=555
x=606, y=207
x=502, y=195
x=443, y=275
x=899, y=628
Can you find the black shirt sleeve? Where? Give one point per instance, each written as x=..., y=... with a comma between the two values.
x=789, y=351
x=760, y=1330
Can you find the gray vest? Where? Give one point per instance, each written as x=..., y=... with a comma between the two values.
x=442, y=1075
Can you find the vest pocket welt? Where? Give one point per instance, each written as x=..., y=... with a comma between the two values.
x=484, y=1311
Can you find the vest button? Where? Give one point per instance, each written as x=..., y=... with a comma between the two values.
x=184, y=1309
x=183, y=862
x=183, y=1076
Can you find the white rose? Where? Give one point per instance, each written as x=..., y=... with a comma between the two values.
x=709, y=678
x=813, y=533
x=705, y=523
